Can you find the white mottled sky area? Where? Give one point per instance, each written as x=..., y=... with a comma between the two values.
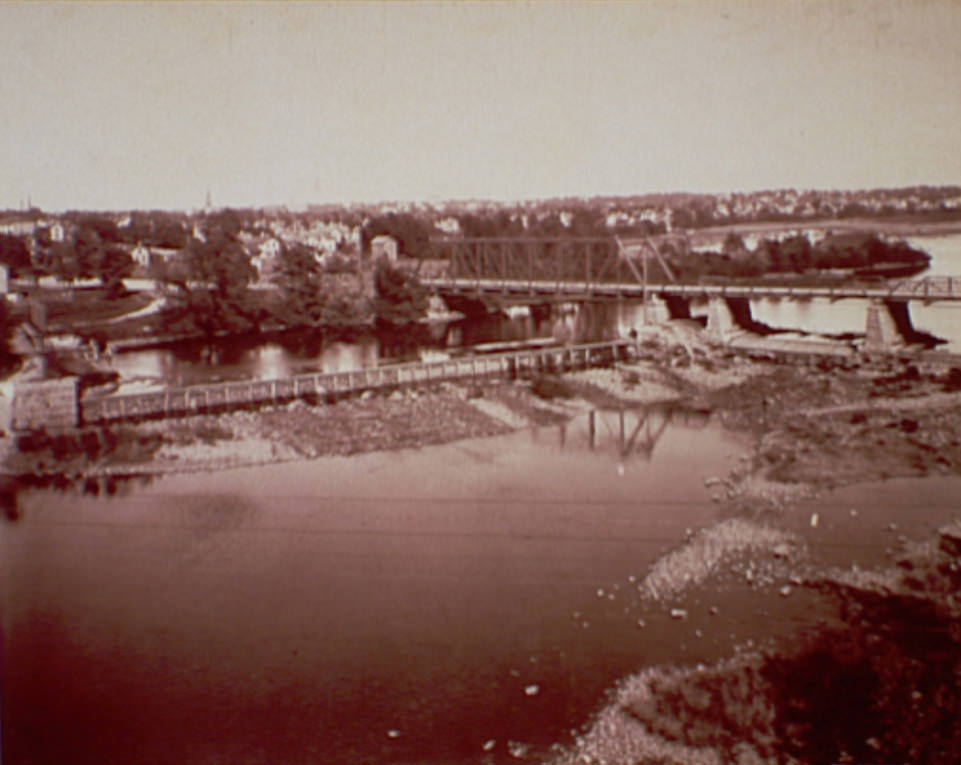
x=139, y=105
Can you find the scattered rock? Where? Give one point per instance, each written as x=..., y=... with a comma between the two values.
x=532, y=690
x=678, y=613
x=517, y=750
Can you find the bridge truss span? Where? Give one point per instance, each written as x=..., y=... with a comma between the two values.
x=534, y=264
x=603, y=268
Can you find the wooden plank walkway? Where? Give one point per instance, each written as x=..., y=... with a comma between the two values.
x=196, y=399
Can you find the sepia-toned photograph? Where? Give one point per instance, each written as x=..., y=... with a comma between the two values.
x=426, y=383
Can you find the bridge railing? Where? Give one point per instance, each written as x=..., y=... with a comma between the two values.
x=928, y=287
x=195, y=399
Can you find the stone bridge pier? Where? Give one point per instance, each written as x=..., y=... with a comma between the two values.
x=888, y=324
x=659, y=309
x=728, y=316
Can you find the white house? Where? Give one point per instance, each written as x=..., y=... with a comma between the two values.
x=56, y=232
x=384, y=246
x=270, y=248
x=268, y=252
x=141, y=255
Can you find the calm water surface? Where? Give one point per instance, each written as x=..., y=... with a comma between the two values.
x=393, y=607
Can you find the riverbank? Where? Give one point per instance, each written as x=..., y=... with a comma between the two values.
x=821, y=629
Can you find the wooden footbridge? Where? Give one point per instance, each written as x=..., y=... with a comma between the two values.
x=202, y=399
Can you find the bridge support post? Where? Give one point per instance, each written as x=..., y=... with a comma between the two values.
x=720, y=319
x=656, y=310
x=881, y=328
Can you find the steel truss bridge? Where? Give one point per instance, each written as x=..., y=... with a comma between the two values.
x=583, y=268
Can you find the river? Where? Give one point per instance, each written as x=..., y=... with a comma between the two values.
x=393, y=607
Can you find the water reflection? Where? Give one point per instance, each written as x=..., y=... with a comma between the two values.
x=627, y=432
x=14, y=488
x=297, y=612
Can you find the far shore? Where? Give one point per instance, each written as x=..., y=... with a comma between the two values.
x=907, y=226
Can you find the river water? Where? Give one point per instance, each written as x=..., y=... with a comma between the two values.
x=393, y=607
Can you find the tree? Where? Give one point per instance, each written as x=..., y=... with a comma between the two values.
x=105, y=228
x=795, y=253
x=114, y=266
x=63, y=262
x=88, y=250
x=169, y=234
x=15, y=254
x=215, y=277
x=399, y=297
x=734, y=246
x=299, y=277
x=7, y=326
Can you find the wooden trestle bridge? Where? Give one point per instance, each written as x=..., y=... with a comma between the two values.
x=215, y=397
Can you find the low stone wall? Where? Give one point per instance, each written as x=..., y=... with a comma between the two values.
x=50, y=404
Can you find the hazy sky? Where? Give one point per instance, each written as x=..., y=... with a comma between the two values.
x=131, y=105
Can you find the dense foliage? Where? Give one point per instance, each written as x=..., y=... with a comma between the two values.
x=858, y=252
x=399, y=298
x=299, y=278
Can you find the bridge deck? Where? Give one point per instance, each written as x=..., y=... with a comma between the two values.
x=944, y=288
x=195, y=399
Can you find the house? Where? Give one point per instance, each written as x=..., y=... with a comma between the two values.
x=266, y=257
x=57, y=233
x=141, y=255
x=18, y=228
x=271, y=248
x=384, y=246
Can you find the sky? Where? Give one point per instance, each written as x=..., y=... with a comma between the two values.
x=141, y=105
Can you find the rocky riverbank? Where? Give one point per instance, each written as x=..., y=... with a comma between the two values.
x=827, y=647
